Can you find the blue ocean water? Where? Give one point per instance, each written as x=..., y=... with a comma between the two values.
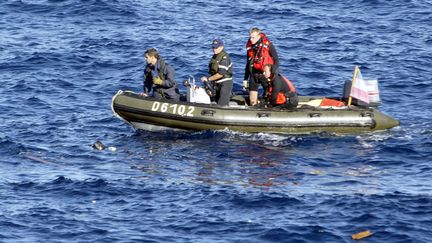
x=62, y=61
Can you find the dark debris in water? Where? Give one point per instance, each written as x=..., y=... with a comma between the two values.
x=98, y=145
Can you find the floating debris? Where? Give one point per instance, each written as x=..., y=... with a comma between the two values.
x=362, y=171
x=112, y=149
x=316, y=172
x=98, y=145
x=37, y=159
x=361, y=235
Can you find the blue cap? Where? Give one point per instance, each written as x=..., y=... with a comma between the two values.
x=217, y=43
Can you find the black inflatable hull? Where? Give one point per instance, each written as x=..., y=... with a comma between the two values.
x=151, y=114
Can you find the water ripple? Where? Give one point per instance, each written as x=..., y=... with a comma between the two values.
x=63, y=60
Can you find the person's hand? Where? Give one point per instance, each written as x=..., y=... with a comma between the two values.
x=209, y=93
x=267, y=74
x=204, y=79
x=157, y=81
x=143, y=94
x=245, y=85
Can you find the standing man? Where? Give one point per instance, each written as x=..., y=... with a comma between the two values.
x=159, y=77
x=262, y=64
x=220, y=71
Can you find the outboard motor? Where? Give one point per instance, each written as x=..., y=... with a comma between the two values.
x=194, y=93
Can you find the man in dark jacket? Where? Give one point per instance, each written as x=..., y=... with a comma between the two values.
x=220, y=71
x=159, y=77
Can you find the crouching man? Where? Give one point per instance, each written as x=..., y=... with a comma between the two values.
x=282, y=93
x=159, y=77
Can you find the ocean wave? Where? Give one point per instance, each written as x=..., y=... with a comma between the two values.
x=62, y=60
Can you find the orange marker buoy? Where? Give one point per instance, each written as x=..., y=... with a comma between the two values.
x=361, y=235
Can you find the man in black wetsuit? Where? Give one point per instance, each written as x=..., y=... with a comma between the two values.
x=262, y=64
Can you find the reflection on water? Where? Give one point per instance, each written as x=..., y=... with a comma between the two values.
x=304, y=164
x=231, y=159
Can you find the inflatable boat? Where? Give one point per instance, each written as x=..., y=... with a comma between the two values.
x=312, y=115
